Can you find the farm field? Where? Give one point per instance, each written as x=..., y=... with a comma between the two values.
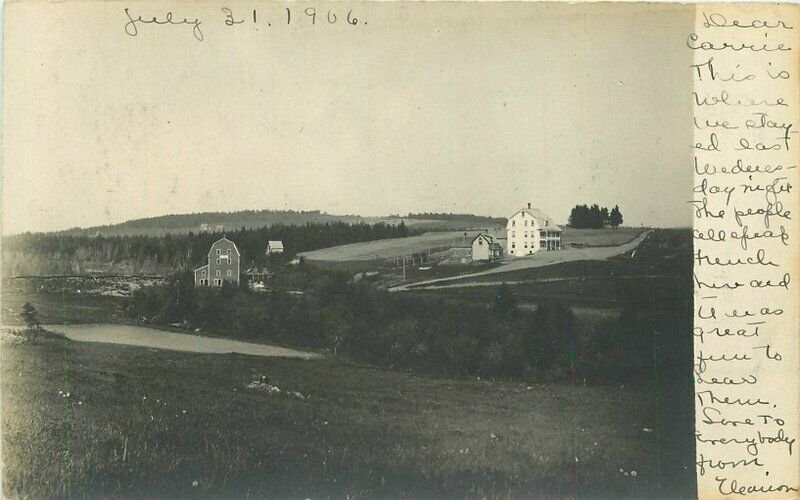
x=598, y=237
x=95, y=420
x=387, y=249
x=56, y=307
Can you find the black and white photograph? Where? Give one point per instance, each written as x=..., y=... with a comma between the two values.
x=347, y=250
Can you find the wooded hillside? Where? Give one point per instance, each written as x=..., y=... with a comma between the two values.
x=51, y=254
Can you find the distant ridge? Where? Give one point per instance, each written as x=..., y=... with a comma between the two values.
x=185, y=223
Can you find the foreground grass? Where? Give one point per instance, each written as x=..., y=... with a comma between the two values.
x=154, y=424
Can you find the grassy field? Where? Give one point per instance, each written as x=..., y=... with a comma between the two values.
x=69, y=307
x=598, y=237
x=155, y=424
x=387, y=249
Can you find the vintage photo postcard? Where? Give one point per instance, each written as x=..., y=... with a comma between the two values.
x=262, y=249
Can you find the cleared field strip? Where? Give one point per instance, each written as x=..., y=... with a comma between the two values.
x=395, y=247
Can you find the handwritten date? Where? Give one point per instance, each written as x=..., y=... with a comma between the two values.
x=309, y=16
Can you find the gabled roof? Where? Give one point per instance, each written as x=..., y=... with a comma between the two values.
x=484, y=236
x=224, y=239
x=275, y=244
x=536, y=214
x=200, y=268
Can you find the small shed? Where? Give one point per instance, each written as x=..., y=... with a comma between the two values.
x=274, y=246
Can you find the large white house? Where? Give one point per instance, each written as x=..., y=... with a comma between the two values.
x=530, y=230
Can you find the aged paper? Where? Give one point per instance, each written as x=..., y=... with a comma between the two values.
x=746, y=153
x=369, y=353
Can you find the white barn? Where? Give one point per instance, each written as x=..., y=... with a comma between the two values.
x=530, y=230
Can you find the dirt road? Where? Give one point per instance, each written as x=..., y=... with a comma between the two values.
x=159, y=339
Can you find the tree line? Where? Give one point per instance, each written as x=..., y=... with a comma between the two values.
x=594, y=217
x=48, y=253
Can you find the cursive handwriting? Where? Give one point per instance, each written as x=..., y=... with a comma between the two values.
x=131, y=27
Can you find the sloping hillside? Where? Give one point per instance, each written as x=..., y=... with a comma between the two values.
x=251, y=219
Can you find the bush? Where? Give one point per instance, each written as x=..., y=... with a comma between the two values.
x=30, y=316
x=418, y=332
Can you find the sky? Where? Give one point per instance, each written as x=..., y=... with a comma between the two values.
x=443, y=107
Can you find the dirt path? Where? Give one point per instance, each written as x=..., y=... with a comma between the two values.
x=159, y=339
x=475, y=284
x=540, y=259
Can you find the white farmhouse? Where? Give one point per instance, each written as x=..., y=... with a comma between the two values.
x=485, y=248
x=530, y=230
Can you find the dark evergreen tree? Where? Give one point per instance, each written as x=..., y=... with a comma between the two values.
x=615, y=219
x=585, y=217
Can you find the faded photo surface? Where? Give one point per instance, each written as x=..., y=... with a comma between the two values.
x=349, y=250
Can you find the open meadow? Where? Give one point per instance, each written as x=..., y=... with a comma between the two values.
x=598, y=237
x=390, y=248
x=94, y=420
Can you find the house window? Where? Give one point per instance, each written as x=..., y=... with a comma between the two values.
x=526, y=223
x=526, y=234
x=513, y=223
x=228, y=251
x=217, y=272
x=546, y=223
x=513, y=234
x=203, y=272
x=217, y=251
x=543, y=244
x=229, y=272
x=217, y=261
x=542, y=234
x=513, y=245
x=526, y=245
